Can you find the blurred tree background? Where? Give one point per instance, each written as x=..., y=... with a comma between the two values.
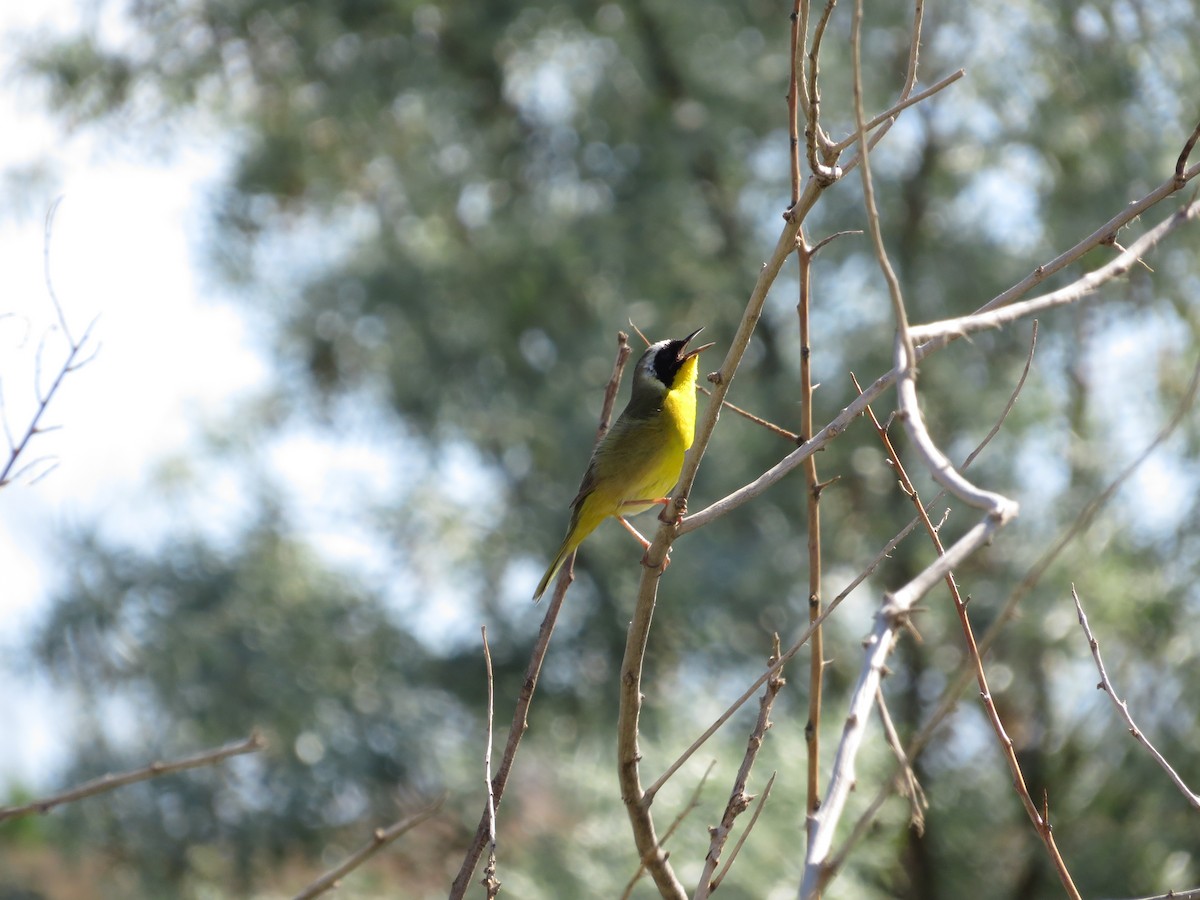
x=439, y=215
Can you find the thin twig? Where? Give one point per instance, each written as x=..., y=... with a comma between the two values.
x=47, y=233
x=757, y=420
x=812, y=495
x=787, y=655
x=1181, y=163
x=947, y=329
x=799, y=31
x=1123, y=708
x=380, y=838
x=739, y=800
x=737, y=847
x=868, y=183
x=106, y=783
x=490, y=882
x=910, y=786
x=824, y=172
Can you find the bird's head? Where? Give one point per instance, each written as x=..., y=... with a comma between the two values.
x=666, y=364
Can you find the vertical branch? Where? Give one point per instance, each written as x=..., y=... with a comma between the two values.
x=739, y=800
x=637, y=801
x=491, y=884
x=799, y=36
x=889, y=274
x=812, y=729
x=813, y=135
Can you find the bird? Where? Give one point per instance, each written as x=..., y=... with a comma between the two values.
x=640, y=457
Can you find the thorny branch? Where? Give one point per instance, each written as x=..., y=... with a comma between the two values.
x=739, y=800
x=106, y=783
x=380, y=838
x=1123, y=708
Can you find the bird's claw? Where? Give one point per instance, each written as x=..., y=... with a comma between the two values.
x=667, y=517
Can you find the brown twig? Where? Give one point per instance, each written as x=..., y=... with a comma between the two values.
x=1181, y=163
x=898, y=107
x=813, y=488
x=380, y=839
x=737, y=847
x=799, y=31
x=868, y=183
x=637, y=801
x=532, y=671
x=1123, y=708
x=909, y=785
x=739, y=800
x=824, y=171
x=106, y=783
x=757, y=420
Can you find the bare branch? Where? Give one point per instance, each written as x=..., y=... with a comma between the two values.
x=739, y=800
x=76, y=358
x=106, y=783
x=946, y=333
x=1123, y=708
x=693, y=802
x=757, y=420
x=791, y=651
x=962, y=677
x=1077, y=290
x=380, y=838
x=1181, y=163
x=491, y=884
x=1005, y=742
x=868, y=183
x=892, y=615
x=909, y=786
x=1101, y=235
x=812, y=508
x=737, y=847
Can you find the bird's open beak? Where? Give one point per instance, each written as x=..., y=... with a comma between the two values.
x=690, y=353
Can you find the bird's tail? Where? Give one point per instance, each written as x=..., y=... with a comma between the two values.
x=587, y=514
x=560, y=557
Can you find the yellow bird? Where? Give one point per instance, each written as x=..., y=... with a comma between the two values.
x=641, y=456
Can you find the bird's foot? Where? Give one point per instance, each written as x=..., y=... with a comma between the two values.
x=672, y=515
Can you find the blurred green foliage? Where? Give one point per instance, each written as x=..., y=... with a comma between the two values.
x=441, y=214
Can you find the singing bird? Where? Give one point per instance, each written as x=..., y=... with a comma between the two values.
x=641, y=456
